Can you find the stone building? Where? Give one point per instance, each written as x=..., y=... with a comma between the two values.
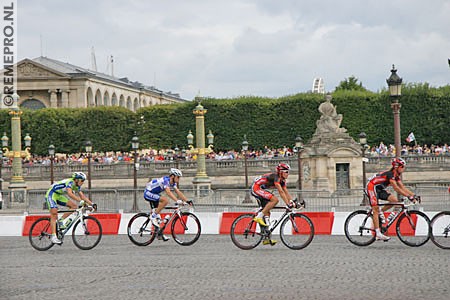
x=44, y=82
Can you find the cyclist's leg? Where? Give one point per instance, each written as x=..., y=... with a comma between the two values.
x=373, y=200
x=53, y=209
x=386, y=196
x=163, y=201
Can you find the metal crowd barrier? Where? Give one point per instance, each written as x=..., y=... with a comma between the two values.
x=434, y=198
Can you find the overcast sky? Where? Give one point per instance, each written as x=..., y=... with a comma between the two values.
x=229, y=48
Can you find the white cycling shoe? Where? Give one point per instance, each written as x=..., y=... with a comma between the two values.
x=55, y=240
x=382, y=237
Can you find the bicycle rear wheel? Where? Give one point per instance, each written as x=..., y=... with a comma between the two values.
x=246, y=233
x=440, y=230
x=40, y=234
x=186, y=230
x=413, y=228
x=359, y=228
x=87, y=233
x=140, y=230
x=297, y=231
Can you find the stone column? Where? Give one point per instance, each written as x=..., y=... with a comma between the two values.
x=65, y=98
x=53, y=99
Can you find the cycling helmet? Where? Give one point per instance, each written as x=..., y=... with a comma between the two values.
x=175, y=172
x=283, y=167
x=79, y=175
x=398, y=162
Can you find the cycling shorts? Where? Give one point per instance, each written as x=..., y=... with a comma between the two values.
x=376, y=193
x=54, y=199
x=262, y=196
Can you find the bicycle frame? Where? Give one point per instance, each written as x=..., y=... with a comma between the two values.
x=81, y=213
x=268, y=231
x=176, y=212
x=403, y=210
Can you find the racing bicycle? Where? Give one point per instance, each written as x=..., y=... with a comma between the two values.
x=184, y=226
x=86, y=230
x=440, y=229
x=411, y=226
x=296, y=230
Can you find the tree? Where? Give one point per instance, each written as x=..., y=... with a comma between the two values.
x=350, y=84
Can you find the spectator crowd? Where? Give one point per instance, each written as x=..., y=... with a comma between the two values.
x=152, y=155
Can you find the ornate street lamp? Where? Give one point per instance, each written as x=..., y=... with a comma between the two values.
x=299, y=149
x=245, y=149
x=51, y=153
x=363, y=143
x=1, y=178
x=135, y=147
x=177, y=156
x=395, y=91
x=201, y=179
x=88, y=148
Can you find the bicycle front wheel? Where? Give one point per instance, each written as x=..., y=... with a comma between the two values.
x=140, y=230
x=186, y=230
x=440, y=229
x=246, y=233
x=359, y=228
x=87, y=233
x=40, y=234
x=413, y=228
x=297, y=231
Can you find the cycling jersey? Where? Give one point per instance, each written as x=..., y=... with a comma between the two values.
x=376, y=187
x=57, y=194
x=156, y=187
x=266, y=181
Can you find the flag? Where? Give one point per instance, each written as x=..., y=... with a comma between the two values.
x=410, y=138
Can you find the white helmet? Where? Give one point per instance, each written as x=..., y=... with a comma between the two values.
x=176, y=172
x=79, y=175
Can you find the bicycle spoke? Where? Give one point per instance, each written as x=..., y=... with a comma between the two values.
x=413, y=228
x=40, y=234
x=140, y=230
x=245, y=233
x=359, y=228
x=297, y=231
x=186, y=230
x=440, y=230
x=87, y=233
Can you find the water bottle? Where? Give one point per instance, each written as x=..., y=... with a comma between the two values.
x=166, y=219
x=69, y=219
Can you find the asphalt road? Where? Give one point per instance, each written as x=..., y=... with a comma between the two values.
x=213, y=268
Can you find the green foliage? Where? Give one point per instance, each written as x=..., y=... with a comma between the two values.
x=274, y=122
x=350, y=84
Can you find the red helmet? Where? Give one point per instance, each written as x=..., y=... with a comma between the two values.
x=283, y=167
x=398, y=162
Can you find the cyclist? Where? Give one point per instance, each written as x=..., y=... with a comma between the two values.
x=61, y=193
x=266, y=199
x=376, y=189
x=152, y=193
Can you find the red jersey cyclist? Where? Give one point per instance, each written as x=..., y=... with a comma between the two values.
x=266, y=199
x=376, y=189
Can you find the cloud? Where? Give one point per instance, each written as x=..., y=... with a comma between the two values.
x=244, y=47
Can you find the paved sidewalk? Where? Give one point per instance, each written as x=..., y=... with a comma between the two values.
x=213, y=268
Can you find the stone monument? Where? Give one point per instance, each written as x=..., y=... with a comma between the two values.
x=332, y=158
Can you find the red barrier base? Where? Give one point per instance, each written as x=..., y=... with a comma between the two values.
x=110, y=222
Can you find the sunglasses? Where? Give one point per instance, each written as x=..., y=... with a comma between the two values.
x=287, y=172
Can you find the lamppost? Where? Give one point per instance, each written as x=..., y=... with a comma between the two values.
x=51, y=152
x=135, y=147
x=299, y=149
x=17, y=180
x=1, y=165
x=88, y=146
x=395, y=91
x=245, y=149
x=363, y=143
x=201, y=179
x=177, y=156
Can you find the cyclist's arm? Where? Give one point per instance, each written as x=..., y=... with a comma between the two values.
x=181, y=195
x=284, y=194
x=400, y=188
x=170, y=194
x=83, y=197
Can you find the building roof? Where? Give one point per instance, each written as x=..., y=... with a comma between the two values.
x=76, y=71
